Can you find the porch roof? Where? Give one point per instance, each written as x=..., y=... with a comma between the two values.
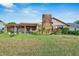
x=23, y=24
x=27, y=24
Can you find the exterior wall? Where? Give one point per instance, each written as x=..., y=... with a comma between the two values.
x=12, y=28
x=57, y=24
x=21, y=28
x=2, y=26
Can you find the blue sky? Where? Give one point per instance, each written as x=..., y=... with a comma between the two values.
x=32, y=12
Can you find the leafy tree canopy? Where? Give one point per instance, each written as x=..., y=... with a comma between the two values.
x=77, y=22
x=11, y=23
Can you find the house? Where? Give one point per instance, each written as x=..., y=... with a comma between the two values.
x=2, y=25
x=48, y=25
x=73, y=26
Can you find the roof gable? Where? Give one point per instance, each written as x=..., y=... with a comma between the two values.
x=60, y=21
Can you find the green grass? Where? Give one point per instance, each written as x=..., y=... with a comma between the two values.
x=39, y=45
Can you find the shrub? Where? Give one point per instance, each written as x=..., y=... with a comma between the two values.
x=59, y=31
x=35, y=33
x=71, y=32
x=65, y=30
x=11, y=34
x=74, y=32
x=77, y=32
x=1, y=32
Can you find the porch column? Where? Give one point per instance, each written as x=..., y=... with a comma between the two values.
x=15, y=29
x=37, y=28
x=24, y=29
x=6, y=29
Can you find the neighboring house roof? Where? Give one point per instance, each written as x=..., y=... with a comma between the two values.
x=2, y=24
x=2, y=21
x=60, y=21
x=74, y=25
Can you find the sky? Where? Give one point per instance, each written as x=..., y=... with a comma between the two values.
x=32, y=12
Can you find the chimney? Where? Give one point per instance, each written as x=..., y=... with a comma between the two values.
x=47, y=22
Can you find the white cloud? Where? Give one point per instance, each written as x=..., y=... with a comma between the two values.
x=28, y=15
x=68, y=16
x=30, y=11
x=7, y=5
x=9, y=10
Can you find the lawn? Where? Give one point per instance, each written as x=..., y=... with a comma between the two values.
x=39, y=45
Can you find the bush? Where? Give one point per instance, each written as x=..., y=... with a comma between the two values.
x=59, y=31
x=65, y=30
x=71, y=32
x=35, y=33
x=1, y=32
x=77, y=32
x=11, y=34
x=74, y=32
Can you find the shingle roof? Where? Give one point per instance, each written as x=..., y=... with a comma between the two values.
x=60, y=21
x=74, y=25
x=28, y=24
x=2, y=22
x=23, y=24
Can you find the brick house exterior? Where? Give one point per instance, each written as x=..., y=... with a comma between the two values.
x=48, y=23
x=22, y=27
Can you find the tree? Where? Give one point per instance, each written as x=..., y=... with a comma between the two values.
x=77, y=22
x=11, y=23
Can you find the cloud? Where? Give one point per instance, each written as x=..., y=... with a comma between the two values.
x=9, y=10
x=7, y=5
x=30, y=11
x=27, y=14
x=68, y=16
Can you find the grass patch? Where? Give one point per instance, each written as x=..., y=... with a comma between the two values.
x=39, y=45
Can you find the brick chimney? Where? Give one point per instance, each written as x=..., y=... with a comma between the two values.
x=47, y=23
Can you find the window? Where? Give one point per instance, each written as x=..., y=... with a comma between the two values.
x=60, y=26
